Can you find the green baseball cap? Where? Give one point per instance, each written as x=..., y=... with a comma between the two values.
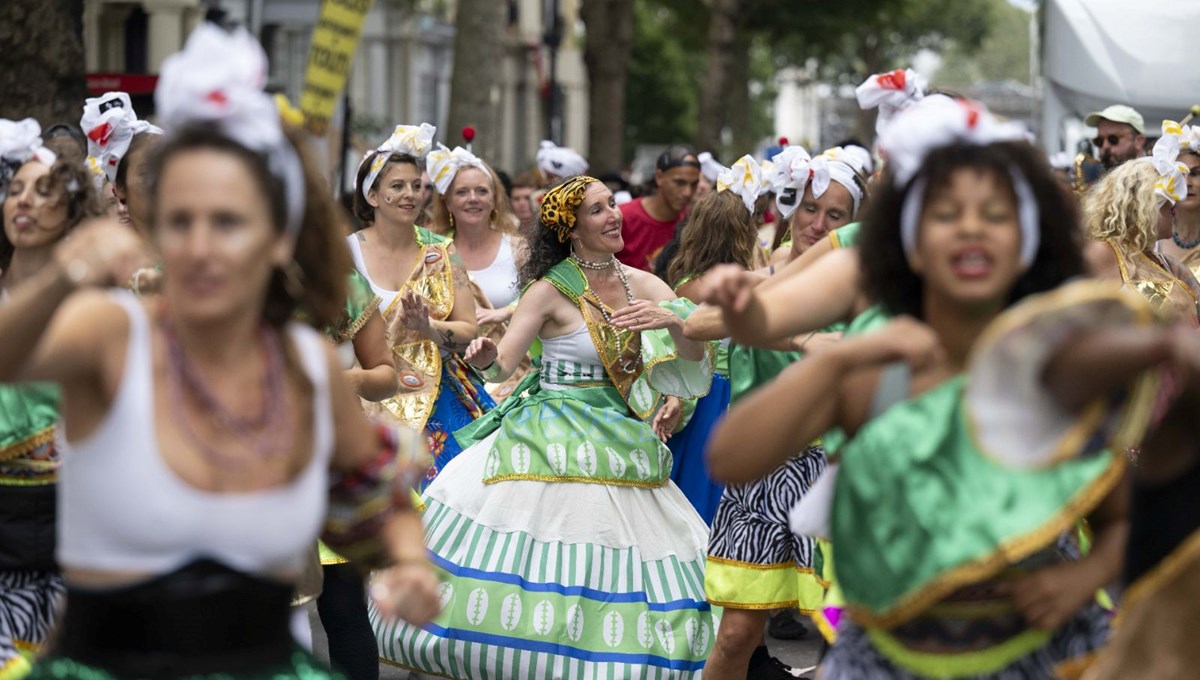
x=1118, y=113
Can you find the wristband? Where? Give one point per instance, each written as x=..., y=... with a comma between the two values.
x=490, y=372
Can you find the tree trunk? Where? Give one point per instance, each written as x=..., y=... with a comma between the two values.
x=41, y=60
x=738, y=113
x=607, y=48
x=719, y=58
x=475, y=80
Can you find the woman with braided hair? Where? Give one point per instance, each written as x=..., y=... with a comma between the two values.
x=565, y=549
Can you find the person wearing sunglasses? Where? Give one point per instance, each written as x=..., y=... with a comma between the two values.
x=1120, y=134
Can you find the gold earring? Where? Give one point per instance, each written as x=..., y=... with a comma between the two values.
x=450, y=216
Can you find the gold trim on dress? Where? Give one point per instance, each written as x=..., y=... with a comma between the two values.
x=1013, y=550
x=355, y=326
x=573, y=478
x=23, y=446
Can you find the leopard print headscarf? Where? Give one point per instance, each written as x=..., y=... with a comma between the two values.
x=560, y=203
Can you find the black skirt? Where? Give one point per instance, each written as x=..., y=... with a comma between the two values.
x=202, y=619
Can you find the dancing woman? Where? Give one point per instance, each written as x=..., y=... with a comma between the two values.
x=425, y=297
x=1126, y=214
x=1185, y=233
x=203, y=428
x=564, y=547
x=923, y=525
x=470, y=206
x=45, y=198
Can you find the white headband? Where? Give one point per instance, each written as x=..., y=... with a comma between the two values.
x=443, y=165
x=560, y=161
x=218, y=78
x=745, y=179
x=937, y=122
x=20, y=141
x=795, y=170
x=406, y=139
x=1171, y=185
x=110, y=124
x=891, y=92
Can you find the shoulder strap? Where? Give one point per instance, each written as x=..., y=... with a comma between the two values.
x=895, y=383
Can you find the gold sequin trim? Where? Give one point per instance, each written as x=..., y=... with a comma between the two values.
x=23, y=446
x=986, y=566
x=573, y=479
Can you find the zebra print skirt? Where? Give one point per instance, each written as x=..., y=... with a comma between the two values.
x=754, y=560
x=28, y=606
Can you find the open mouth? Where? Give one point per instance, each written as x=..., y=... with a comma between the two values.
x=972, y=263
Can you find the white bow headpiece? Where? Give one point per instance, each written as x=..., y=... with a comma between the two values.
x=891, y=92
x=414, y=140
x=795, y=170
x=443, y=165
x=936, y=122
x=745, y=179
x=560, y=161
x=110, y=124
x=1188, y=135
x=789, y=178
x=1171, y=185
x=20, y=141
x=218, y=78
x=709, y=166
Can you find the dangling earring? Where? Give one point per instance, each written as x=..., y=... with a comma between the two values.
x=293, y=280
x=493, y=216
x=450, y=216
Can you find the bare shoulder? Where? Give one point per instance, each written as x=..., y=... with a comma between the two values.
x=1100, y=260
x=647, y=286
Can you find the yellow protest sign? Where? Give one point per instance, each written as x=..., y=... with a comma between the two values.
x=329, y=58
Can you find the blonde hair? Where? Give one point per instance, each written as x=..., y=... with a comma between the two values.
x=503, y=220
x=1123, y=208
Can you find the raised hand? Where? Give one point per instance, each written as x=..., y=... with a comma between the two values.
x=727, y=286
x=102, y=253
x=481, y=353
x=414, y=313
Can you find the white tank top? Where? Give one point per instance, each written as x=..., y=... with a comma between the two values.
x=385, y=296
x=121, y=508
x=499, y=280
x=570, y=359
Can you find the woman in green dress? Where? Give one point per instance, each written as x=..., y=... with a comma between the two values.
x=949, y=567
x=565, y=549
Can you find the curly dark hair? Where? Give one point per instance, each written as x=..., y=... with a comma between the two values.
x=363, y=210
x=320, y=250
x=887, y=275
x=71, y=181
x=545, y=250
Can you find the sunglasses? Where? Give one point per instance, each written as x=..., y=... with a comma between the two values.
x=1112, y=140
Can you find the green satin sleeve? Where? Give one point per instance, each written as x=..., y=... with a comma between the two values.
x=665, y=372
x=361, y=304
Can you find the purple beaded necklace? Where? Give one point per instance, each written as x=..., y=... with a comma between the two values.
x=268, y=433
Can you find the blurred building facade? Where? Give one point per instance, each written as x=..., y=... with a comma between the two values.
x=401, y=72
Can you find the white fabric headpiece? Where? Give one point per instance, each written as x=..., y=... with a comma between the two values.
x=936, y=122
x=1171, y=185
x=443, y=165
x=1188, y=135
x=745, y=178
x=833, y=165
x=709, y=167
x=560, y=161
x=110, y=124
x=414, y=140
x=218, y=78
x=860, y=158
x=892, y=92
x=789, y=178
x=20, y=141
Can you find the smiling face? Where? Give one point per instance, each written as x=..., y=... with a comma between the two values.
x=396, y=197
x=215, y=230
x=816, y=217
x=969, y=241
x=471, y=198
x=1192, y=202
x=35, y=212
x=597, y=231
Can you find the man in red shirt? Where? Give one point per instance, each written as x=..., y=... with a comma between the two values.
x=648, y=223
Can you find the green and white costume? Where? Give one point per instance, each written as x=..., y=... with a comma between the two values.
x=565, y=550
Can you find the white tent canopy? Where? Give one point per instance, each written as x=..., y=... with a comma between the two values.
x=1101, y=52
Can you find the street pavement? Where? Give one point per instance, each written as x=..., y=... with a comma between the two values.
x=801, y=654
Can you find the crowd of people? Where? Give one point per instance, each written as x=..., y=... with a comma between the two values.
x=543, y=428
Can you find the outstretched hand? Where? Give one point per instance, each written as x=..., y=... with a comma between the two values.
x=727, y=286
x=102, y=253
x=643, y=315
